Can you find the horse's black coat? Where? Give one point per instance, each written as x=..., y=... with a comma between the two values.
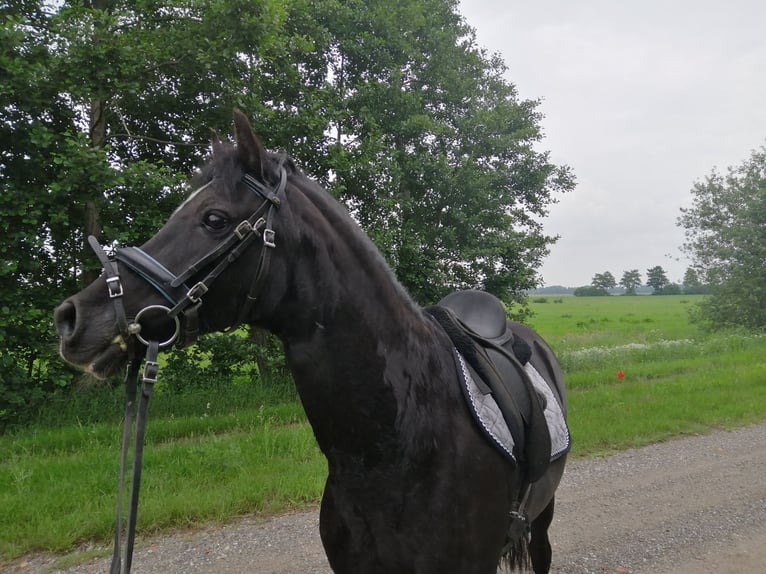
x=413, y=486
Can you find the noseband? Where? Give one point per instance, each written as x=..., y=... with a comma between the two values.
x=184, y=303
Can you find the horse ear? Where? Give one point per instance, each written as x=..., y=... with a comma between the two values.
x=251, y=150
x=215, y=141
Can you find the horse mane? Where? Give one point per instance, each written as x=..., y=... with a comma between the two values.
x=338, y=221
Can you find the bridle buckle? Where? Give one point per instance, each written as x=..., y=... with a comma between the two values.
x=114, y=286
x=151, y=371
x=268, y=238
x=243, y=229
x=196, y=292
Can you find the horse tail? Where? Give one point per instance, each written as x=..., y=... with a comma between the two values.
x=515, y=557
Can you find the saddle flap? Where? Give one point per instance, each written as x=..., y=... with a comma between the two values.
x=513, y=391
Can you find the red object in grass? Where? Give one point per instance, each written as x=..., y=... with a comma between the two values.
x=620, y=374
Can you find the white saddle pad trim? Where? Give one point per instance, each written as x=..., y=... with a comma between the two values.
x=489, y=416
x=487, y=412
x=554, y=415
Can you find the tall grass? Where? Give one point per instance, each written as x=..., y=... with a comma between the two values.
x=213, y=456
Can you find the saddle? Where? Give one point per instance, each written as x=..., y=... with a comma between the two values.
x=476, y=324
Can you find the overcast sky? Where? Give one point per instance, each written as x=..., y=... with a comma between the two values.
x=641, y=99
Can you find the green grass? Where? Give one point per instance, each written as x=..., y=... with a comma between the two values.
x=677, y=380
x=57, y=486
x=577, y=322
x=213, y=457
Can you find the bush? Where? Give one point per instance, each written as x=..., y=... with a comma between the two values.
x=14, y=392
x=26, y=383
x=670, y=289
x=218, y=360
x=590, y=291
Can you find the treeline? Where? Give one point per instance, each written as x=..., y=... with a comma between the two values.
x=631, y=283
x=107, y=106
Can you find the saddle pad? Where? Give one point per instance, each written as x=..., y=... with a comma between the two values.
x=490, y=419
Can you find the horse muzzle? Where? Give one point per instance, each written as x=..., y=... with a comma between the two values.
x=89, y=340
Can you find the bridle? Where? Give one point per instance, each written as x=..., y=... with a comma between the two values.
x=185, y=301
x=182, y=310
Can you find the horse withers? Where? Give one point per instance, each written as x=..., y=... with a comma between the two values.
x=414, y=486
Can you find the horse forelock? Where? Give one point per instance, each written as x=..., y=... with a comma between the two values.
x=226, y=166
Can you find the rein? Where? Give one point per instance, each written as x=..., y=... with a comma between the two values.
x=183, y=316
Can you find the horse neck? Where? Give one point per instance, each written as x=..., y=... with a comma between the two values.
x=337, y=277
x=355, y=342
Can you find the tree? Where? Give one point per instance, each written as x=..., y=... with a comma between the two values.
x=436, y=154
x=726, y=237
x=105, y=108
x=604, y=281
x=656, y=279
x=692, y=285
x=631, y=280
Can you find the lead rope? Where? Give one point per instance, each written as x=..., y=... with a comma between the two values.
x=148, y=379
x=131, y=384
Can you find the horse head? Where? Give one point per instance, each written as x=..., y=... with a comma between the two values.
x=155, y=291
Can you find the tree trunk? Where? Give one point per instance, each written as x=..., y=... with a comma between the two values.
x=261, y=339
x=97, y=135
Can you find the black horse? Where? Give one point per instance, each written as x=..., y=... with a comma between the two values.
x=414, y=486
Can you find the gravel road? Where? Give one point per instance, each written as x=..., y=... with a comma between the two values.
x=694, y=505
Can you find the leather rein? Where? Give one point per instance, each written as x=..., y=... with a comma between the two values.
x=182, y=313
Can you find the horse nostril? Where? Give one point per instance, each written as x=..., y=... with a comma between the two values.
x=65, y=317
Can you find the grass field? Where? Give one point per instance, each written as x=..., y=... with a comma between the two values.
x=251, y=451
x=675, y=380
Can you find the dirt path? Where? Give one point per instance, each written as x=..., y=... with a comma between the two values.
x=694, y=505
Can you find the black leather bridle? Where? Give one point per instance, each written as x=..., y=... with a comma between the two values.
x=184, y=303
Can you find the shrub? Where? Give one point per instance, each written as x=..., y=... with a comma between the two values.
x=590, y=291
x=218, y=360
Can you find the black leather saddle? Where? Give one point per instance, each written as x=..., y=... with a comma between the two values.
x=476, y=323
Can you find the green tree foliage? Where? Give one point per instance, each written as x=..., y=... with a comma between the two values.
x=105, y=108
x=436, y=151
x=726, y=237
x=657, y=279
x=631, y=280
x=604, y=281
x=590, y=291
x=692, y=284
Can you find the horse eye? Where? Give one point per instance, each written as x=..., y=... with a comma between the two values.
x=215, y=221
